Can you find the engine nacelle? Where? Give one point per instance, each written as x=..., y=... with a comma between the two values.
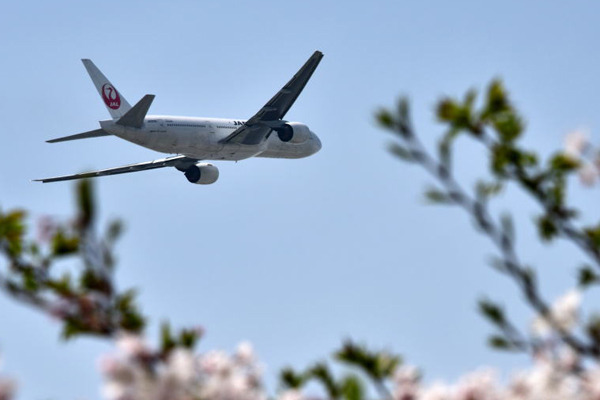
x=202, y=174
x=293, y=132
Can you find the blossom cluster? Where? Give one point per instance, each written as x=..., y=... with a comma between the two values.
x=545, y=380
x=137, y=372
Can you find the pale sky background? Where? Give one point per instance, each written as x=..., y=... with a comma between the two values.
x=292, y=255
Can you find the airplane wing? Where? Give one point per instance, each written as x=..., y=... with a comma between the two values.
x=257, y=128
x=180, y=162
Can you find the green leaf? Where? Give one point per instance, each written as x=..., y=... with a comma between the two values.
x=587, y=277
x=115, y=229
x=71, y=328
x=352, y=388
x=166, y=338
x=436, y=196
x=86, y=203
x=403, y=108
x=62, y=244
x=499, y=342
x=448, y=110
x=400, y=152
x=593, y=234
x=560, y=162
x=289, y=379
x=508, y=126
x=188, y=338
x=91, y=280
x=485, y=190
x=131, y=319
x=62, y=286
x=445, y=147
x=593, y=329
x=496, y=100
x=30, y=281
x=378, y=365
x=385, y=119
x=321, y=373
x=547, y=229
x=501, y=156
x=492, y=312
x=12, y=231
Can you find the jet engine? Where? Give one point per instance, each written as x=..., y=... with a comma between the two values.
x=202, y=174
x=293, y=132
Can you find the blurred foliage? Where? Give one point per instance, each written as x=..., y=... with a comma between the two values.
x=377, y=366
x=494, y=122
x=82, y=295
x=86, y=300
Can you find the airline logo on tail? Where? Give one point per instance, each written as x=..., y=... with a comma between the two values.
x=111, y=96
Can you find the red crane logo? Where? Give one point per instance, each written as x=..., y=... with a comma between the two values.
x=111, y=96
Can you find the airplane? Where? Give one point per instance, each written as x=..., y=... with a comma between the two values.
x=194, y=140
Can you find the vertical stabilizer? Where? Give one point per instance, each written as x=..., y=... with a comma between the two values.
x=115, y=103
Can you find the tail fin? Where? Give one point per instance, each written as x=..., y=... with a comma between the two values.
x=115, y=103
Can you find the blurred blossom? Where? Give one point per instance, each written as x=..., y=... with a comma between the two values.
x=216, y=363
x=7, y=388
x=564, y=312
x=291, y=395
x=588, y=173
x=60, y=309
x=579, y=148
x=131, y=345
x=184, y=375
x=478, y=385
x=46, y=228
x=182, y=365
x=218, y=375
x=245, y=353
x=576, y=144
x=436, y=391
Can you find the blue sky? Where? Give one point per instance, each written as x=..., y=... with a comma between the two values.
x=293, y=255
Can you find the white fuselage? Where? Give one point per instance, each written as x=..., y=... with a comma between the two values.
x=202, y=138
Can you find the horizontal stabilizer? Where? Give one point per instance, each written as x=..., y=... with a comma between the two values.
x=135, y=117
x=84, y=135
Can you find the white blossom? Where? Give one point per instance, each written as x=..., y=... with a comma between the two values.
x=245, y=353
x=478, y=385
x=182, y=365
x=131, y=345
x=135, y=373
x=291, y=395
x=564, y=313
x=588, y=173
x=576, y=143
